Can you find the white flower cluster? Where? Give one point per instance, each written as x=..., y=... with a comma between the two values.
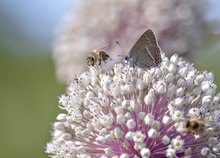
x=129, y=112
x=179, y=26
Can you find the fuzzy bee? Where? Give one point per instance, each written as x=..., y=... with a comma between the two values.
x=195, y=126
x=97, y=57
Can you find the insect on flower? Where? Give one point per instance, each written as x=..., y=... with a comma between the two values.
x=195, y=126
x=97, y=57
x=100, y=58
x=145, y=53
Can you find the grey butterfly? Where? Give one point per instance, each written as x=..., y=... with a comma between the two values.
x=145, y=53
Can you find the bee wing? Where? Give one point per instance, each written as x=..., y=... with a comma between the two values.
x=104, y=56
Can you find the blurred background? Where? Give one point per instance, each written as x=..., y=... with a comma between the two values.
x=37, y=48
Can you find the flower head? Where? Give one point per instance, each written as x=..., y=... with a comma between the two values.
x=128, y=112
x=179, y=26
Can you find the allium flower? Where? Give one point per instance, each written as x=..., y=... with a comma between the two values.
x=130, y=112
x=179, y=26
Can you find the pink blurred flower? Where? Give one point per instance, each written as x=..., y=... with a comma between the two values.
x=179, y=26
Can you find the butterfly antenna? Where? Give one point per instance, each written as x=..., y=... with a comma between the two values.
x=120, y=46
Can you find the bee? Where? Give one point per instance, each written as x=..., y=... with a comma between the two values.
x=97, y=57
x=195, y=126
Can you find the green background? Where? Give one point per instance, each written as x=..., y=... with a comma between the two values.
x=28, y=104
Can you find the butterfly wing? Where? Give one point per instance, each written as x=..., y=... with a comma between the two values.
x=153, y=48
x=145, y=53
x=155, y=53
x=149, y=34
x=143, y=59
x=142, y=42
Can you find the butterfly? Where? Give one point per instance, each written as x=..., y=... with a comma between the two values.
x=145, y=53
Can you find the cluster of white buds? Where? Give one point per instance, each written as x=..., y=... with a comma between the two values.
x=129, y=112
